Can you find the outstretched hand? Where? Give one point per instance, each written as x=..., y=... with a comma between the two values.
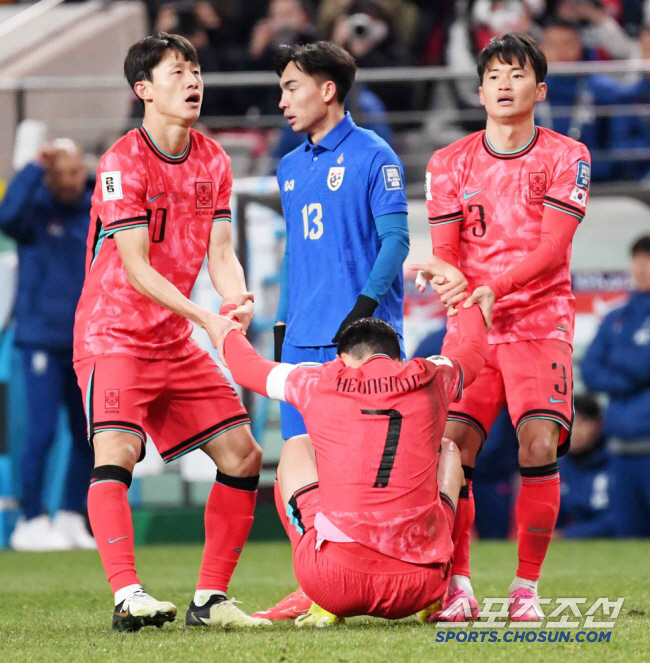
x=447, y=281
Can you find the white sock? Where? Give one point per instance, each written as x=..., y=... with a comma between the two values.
x=461, y=582
x=125, y=592
x=202, y=596
x=523, y=583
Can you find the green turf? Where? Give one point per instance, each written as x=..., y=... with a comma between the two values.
x=57, y=607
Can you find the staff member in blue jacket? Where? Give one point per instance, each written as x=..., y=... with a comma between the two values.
x=585, y=476
x=618, y=363
x=47, y=211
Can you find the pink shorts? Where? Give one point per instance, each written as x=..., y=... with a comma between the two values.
x=182, y=403
x=349, y=579
x=535, y=379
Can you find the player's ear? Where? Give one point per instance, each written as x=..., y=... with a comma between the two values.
x=481, y=98
x=329, y=91
x=542, y=89
x=143, y=90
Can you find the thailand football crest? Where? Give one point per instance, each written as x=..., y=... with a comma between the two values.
x=335, y=177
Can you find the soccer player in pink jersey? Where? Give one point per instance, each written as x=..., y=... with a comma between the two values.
x=368, y=498
x=161, y=204
x=503, y=206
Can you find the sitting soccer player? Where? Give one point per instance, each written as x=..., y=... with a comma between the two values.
x=368, y=500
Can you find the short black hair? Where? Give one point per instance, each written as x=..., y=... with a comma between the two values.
x=369, y=336
x=321, y=59
x=145, y=55
x=587, y=406
x=641, y=245
x=514, y=45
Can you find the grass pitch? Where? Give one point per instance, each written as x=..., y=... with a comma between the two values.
x=57, y=607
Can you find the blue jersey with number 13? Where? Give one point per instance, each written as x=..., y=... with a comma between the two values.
x=331, y=195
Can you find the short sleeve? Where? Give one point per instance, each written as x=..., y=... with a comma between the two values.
x=569, y=190
x=120, y=194
x=449, y=375
x=443, y=205
x=386, y=188
x=222, y=211
x=293, y=384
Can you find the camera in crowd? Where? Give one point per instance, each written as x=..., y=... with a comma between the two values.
x=363, y=27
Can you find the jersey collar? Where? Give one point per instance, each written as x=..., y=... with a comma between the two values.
x=511, y=155
x=163, y=156
x=335, y=136
x=377, y=355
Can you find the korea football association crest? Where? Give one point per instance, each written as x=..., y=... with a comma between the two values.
x=537, y=184
x=335, y=178
x=203, y=192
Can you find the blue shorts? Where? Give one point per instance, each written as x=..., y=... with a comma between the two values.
x=292, y=423
x=291, y=419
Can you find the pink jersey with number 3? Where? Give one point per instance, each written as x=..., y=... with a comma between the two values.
x=177, y=199
x=498, y=200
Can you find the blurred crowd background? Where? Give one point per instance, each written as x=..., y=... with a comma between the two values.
x=417, y=88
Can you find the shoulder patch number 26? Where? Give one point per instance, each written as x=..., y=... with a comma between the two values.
x=111, y=185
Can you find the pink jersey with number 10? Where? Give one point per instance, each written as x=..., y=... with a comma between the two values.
x=176, y=199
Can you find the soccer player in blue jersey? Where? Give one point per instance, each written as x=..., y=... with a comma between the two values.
x=347, y=233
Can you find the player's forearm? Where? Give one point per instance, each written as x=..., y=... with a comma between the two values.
x=445, y=239
x=558, y=229
x=150, y=283
x=226, y=274
x=472, y=348
x=388, y=263
x=247, y=368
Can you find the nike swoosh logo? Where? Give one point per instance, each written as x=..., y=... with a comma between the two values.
x=554, y=401
x=467, y=196
x=119, y=538
x=544, y=529
x=156, y=197
x=122, y=614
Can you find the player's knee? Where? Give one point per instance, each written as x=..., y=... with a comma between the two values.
x=112, y=448
x=536, y=450
x=249, y=462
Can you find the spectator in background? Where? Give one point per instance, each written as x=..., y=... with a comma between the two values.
x=600, y=32
x=431, y=33
x=46, y=210
x=632, y=132
x=405, y=15
x=618, y=364
x=570, y=106
x=494, y=18
x=286, y=22
x=585, y=476
x=367, y=32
